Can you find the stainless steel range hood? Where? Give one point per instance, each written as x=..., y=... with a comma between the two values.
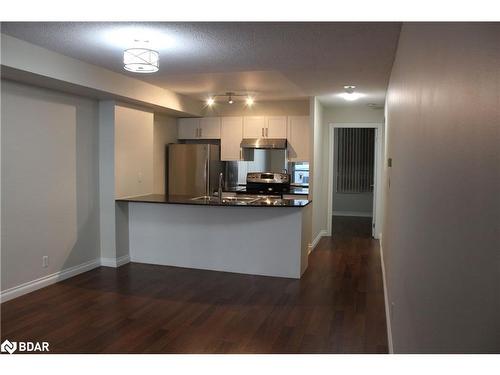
x=264, y=143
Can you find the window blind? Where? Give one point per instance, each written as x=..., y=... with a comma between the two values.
x=354, y=159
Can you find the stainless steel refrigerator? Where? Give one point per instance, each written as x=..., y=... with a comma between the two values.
x=192, y=169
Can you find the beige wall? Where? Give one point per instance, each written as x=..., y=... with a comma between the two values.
x=349, y=113
x=140, y=141
x=264, y=108
x=352, y=113
x=441, y=241
x=164, y=132
x=50, y=198
x=319, y=178
x=133, y=152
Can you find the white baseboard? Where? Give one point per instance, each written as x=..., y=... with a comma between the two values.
x=309, y=248
x=115, y=262
x=322, y=233
x=352, y=213
x=42, y=282
x=387, y=305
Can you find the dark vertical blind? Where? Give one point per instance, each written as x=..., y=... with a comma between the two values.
x=355, y=158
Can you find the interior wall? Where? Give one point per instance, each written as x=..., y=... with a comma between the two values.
x=50, y=197
x=353, y=113
x=318, y=183
x=164, y=132
x=260, y=108
x=133, y=152
x=352, y=204
x=441, y=236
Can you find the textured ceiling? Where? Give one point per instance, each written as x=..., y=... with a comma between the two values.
x=271, y=60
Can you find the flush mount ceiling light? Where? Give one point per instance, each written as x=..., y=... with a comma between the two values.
x=249, y=101
x=349, y=93
x=141, y=60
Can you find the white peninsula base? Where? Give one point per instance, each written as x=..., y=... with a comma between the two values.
x=269, y=241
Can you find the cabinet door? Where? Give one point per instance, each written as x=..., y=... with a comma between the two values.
x=210, y=128
x=188, y=128
x=230, y=140
x=276, y=127
x=298, y=138
x=254, y=127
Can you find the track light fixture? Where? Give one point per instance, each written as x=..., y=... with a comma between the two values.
x=249, y=101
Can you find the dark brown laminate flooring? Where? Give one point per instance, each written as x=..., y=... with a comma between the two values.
x=352, y=226
x=337, y=307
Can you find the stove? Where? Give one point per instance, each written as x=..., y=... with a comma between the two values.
x=268, y=183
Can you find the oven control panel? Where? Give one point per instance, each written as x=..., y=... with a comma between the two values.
x=268, y=177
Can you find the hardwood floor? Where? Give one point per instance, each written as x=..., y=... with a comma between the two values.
x=337, y=307
x=353, y=226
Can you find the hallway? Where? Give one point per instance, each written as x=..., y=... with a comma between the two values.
x=337, y=307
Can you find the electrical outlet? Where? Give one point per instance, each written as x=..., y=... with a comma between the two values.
x=139, y=177
x=45, y=261
x=392, y=309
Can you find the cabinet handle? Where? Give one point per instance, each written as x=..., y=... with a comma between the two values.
x=267, y=132
x=262, y=131
x=197, y=132
x=201, y=132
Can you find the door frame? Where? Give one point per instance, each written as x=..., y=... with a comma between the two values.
x=377, y=172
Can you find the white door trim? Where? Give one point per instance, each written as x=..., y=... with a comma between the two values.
x=377, y=191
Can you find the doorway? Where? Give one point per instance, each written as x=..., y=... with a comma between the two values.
x=354, y=176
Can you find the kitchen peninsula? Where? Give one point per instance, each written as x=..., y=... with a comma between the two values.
x=250, y=235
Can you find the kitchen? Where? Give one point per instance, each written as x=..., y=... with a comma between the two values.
x=187, y=187
x=237, y=165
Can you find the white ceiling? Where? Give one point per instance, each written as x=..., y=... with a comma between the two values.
x=272, y=60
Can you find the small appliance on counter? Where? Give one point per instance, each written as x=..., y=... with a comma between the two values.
x=267, y=183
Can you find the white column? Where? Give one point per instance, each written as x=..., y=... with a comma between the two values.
x=107, y=182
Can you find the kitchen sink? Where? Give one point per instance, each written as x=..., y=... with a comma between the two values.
x=231, y=199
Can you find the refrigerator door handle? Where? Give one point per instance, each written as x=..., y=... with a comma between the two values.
x=207, y=177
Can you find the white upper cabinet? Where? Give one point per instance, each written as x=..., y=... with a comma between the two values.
x=298, y=138
x=188, y=128
x=254, y=126
x=199, y=128
x=264, y=127
x=231, y=132
x=276, y=127
x=210, y=128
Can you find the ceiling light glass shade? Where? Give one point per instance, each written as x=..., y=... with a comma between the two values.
x=351, y=96
x=141, y=60
x=210, y=101
x=249, y=101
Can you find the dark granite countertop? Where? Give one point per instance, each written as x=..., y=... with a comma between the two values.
x=182, y=199
x=294, y=190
